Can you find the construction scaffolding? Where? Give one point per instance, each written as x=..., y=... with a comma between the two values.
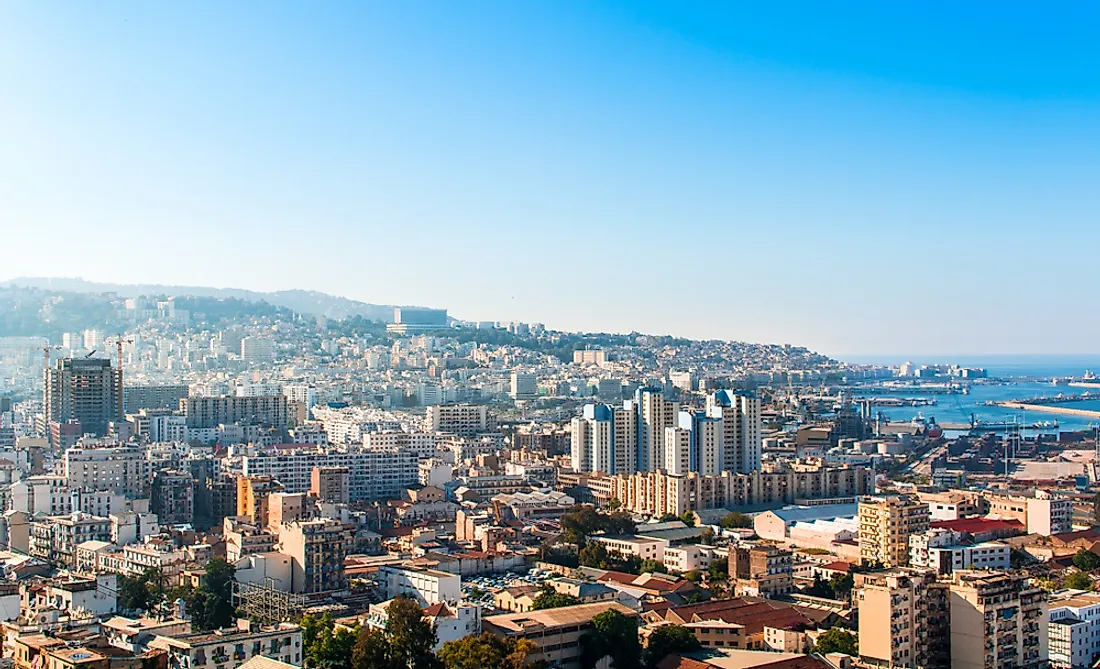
x=265, y=603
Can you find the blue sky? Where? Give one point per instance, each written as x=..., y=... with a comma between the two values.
x=860, y=178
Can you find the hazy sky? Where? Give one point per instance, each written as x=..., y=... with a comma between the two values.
x=859, y=178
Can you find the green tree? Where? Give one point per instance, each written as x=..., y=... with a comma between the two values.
x=324, y=646
x=373, y=651
x=653, y=566
x=550, y=598
x=614, y=635
x=594, y=555
x=694, y=576
x=486, y=652
x=1078, y=580
x=133, y=594
x=1086, y=560
x=736, y=519
x=614, y=504
x=837, y=640
x=820, y=588
x=719, y=571
x=688, y=518
x=412, y=638
x=668, y=518
x=579, y=522
x=842, y=585
x=619, y=522
x=707, y=537
x=665, y=641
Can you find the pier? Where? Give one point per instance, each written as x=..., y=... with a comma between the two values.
x=1049, y=408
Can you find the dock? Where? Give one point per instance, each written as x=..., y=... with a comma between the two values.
x=1049, y=408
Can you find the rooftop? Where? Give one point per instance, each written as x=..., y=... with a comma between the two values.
x=517, y=623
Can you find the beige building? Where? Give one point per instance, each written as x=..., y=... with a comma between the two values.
x=660, y=493
x=903, y=619
x=252, y=497
x=329, y=484
x=228, y=649
x=997, y=621
x=317, y=549
x=885, y=524
x=285, y=507
x=1041, y=511
x=760, y=571
x=556, y=633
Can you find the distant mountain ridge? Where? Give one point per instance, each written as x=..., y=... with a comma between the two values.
x=309, y=302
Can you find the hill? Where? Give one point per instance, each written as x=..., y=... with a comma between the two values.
x=307, y=302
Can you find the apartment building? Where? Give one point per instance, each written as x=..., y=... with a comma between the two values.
x=885, y=525
x=136, y=398
x=997, y=621
x=1042, y=511
x=903, y=619
x=209, y=412
x=645, y=548
x=659, y=493
x=173, y=497
x=122, y=469
x=253, y=497
x=760, y=571
x=421, y=443
x=330, y=484
x=953, y=504
x=317, y=549
x=943, y=550
x=374, y=474
x=230, y=648
x=55, y=538
x=463, y=420
x=86, y=390
x=427, y=586
x=245, y=538
x=1073, y=629
x=556, y=633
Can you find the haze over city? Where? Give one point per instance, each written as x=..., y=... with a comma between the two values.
x=882, y=178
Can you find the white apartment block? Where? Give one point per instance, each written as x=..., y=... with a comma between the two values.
x=677, y=446
x=646, y=548
x=683, y=559
x=464, y=420
x=941, y=550
x=421, y=443
x=374, y=474
x=1074, y=629
x=427, y=586
x=122, y=469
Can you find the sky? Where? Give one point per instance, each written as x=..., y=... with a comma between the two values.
x=860, y=178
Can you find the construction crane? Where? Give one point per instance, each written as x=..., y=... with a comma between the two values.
x=120, y=339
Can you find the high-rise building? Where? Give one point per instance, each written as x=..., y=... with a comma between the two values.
x=85, y=390
x=1074, y=629
x=463, y=420
x=997, y=621
x=412, y=320
x=655, y=413
x=677, y=448
x=604, y=439
x=317, y=549
x=173, y=497
x=524, y=386
x=121, y=469
x=740, y=414
x=903, y=619
x=329, y=484
x=885, y=525
x=707, y=454
x=135, y=398
x=257, y=350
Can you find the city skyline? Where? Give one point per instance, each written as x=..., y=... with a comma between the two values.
x=863, y=182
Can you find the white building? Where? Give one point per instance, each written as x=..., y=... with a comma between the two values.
x=682, y=559
x=257, y=350
x=1074, y=629
x=646, y=548
x=940, y=549
x=524, y=386
x=427, y=586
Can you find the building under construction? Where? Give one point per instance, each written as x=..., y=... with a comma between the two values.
x=85, y=390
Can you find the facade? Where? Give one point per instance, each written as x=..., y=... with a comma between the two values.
x=523, y=386
x=904, y=619
x=317, y=549
x=943, y=551
x=761, y=571
x=253, y=498
x=1074, y=629
x=135, y=398
x=173, y=497
x=257, y=350
x=374, y=474
x=83, y=389
x=741, y=425
x=1041, y=511
x=658, y=493
x=229, y=649
x=329, y=484
x=463, y=420
x=121, y=469
x=427, y=586
x=644, y=548
x=208, y=412
x=997, y=621
x=885, y=525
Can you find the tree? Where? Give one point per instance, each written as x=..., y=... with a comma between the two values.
x=820, y=588
x=619, y=522
x=837, y=640
x=1086, y=560
x=718, y=571
x=736, y=519
x=668, y=518
x=579, y=522
x=211, y=605
x=842, y=585
x=594, y=555
x=218, y=579
x=707, y=537
x=688, y=518
x=324, y=646
x=550, y=598
x=486, y=652
x=665, y=641
x=372, y=651
x=1078, y=580
x=694, y=576
x=412, y=638
x=614, y=635
x=133, y=595
x=614, y=504
x=653, y=566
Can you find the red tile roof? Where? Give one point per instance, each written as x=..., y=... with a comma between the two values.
x=978, y=525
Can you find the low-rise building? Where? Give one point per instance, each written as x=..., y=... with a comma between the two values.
x=230, y=648
x=556, y=633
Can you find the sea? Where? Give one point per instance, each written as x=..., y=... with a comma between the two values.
x=1024, y=376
